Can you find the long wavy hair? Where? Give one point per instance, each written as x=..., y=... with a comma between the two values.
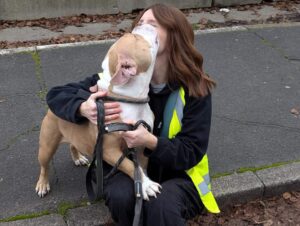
x=185, y=63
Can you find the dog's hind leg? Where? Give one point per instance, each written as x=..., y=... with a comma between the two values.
x=78, y=158
x=50, y=138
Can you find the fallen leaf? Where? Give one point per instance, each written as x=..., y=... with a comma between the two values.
x=87, y=20
x=203, y=21
x=286, y=195
x=293, y=199
x=295, y=111
x=268, y=223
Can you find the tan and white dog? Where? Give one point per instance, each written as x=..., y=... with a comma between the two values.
x=127, y=71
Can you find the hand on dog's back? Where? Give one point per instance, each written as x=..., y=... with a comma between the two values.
x=88, y=108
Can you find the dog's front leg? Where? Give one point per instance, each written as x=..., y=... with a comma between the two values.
x=112, y=152
x=50, y=138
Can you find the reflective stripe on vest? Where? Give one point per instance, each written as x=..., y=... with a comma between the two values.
x=199, y=174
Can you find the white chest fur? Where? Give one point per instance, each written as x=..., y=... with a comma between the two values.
x=137, y=112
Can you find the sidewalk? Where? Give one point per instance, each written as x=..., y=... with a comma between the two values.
x=254, y=147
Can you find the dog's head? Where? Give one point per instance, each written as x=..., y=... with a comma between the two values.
x=131, y=55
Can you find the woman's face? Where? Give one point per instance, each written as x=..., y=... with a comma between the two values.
x=148, y=18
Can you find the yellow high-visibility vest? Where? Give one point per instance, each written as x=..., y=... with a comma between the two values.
x=199, y=174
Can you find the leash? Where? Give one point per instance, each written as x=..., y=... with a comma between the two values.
x=94, y=176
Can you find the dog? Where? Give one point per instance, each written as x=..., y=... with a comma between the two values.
x=127, y=71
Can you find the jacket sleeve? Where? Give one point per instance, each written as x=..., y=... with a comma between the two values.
x=189, y=146
x=64, y=101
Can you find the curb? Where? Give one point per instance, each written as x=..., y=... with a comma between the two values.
x=237, y=188
x=244, y=187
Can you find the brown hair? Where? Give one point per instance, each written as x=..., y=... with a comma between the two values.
x=185, y=62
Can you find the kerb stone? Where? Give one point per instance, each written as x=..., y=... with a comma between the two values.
x=237, y=188
x=280, y=179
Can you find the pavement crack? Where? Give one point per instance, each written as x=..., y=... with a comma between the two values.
x=262, y=182
x=13, y=140
x=39, y=76
x=260, y=124
x=294, y=59
x=270, y=44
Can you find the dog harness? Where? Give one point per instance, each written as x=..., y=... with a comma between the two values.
x=199, y=174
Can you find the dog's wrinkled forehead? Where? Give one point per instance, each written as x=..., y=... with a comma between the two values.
x=131, y=55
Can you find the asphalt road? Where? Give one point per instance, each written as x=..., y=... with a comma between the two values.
x=258, y=76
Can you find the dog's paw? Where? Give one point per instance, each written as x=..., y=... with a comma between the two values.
x=81, y=161
x=150, y=188
x=42, y=188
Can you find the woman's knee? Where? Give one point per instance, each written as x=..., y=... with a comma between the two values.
x=166, y=209
x=177, y=202
x=119, y=198
x=119, y=189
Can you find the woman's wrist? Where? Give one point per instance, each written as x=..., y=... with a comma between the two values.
x=152, y=142
x=82, y=109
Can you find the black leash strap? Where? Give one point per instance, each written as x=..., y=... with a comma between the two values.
x=120, y=126
x=94, y=176
x=138, y=192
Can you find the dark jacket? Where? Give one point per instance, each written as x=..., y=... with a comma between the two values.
x=172, y=156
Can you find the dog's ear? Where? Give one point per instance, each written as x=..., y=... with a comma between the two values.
x=122, y=68
x=112, y=60
x=124, y=72
x=119, y=78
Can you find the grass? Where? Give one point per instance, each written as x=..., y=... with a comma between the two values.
x=254, y=169
x=62, y=209
x=25, y=216
x=38, y=73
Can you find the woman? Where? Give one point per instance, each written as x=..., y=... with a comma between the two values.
x=177, y=147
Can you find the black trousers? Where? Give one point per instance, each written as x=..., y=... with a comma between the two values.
x=177, y=202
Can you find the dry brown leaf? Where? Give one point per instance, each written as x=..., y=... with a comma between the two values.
x=295, y=111
x=203, y=21
x=286, y=195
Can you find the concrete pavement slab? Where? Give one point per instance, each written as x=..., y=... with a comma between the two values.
x=19, y=115
x=61, y=66
x=286, y=40
x=19, y=173
x=18, y=74
x=195, y=18
x=92, y=215
x=26, y=33
x=237, y=188
x=280, y=179
x=235, y=2
x=237, y=15
x=252, y=122
x=21, y=106
x=92, y=29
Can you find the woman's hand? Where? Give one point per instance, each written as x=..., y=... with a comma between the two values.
x=140, y=137
x=88, y=108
